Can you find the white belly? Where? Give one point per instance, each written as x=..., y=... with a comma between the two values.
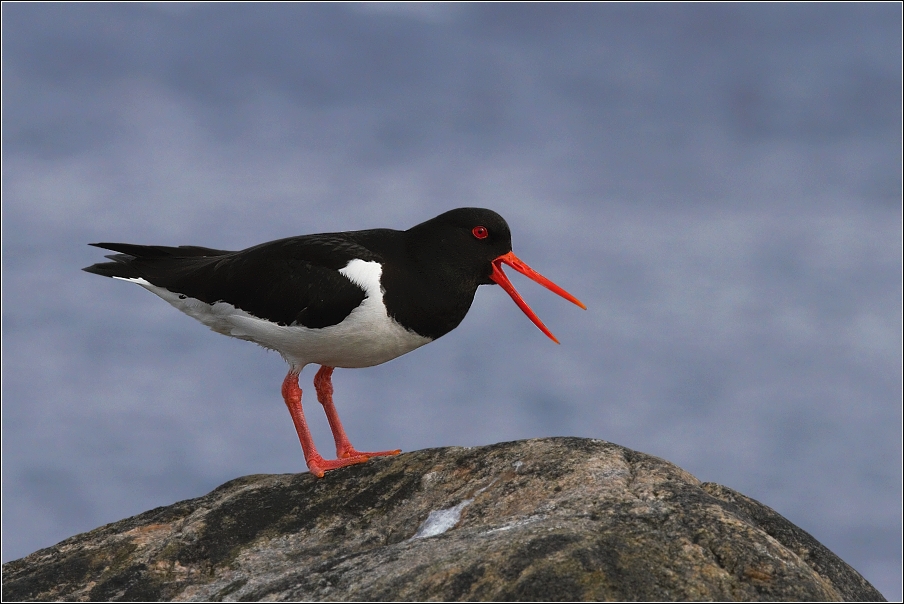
x=366, y=337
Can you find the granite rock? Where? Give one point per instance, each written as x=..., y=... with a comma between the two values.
x=565, y=519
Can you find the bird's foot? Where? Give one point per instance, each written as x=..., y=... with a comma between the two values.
x=350, y=452
x=318, y=465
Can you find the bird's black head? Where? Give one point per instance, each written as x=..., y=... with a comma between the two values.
x=467, y=240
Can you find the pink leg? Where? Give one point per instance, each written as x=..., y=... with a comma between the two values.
x=316, y=464
x=323, y=383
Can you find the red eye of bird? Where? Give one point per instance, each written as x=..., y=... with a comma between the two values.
x=480, y=232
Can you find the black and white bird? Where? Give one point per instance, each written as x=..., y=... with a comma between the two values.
x=350, y=299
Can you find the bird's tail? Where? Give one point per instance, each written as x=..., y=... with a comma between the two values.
x=127, y=263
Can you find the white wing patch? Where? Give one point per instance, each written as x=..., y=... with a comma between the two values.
x=365, y=275
x=366, y=337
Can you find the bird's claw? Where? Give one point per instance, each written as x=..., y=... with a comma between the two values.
x=318, y=465
x=352, y=452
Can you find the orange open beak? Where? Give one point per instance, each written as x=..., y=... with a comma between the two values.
x=499, y=277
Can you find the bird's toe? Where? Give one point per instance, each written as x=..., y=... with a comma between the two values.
x=318, y=465
x=352, y=452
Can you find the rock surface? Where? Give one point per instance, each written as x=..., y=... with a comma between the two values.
x=548, y=519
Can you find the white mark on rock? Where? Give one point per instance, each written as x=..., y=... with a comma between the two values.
x=440, y=521
x=518, y=465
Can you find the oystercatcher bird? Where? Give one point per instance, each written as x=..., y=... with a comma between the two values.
x=351, y=299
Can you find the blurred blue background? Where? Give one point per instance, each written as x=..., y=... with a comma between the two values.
x=720, y=184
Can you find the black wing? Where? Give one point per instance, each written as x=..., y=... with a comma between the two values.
x=289, y=281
